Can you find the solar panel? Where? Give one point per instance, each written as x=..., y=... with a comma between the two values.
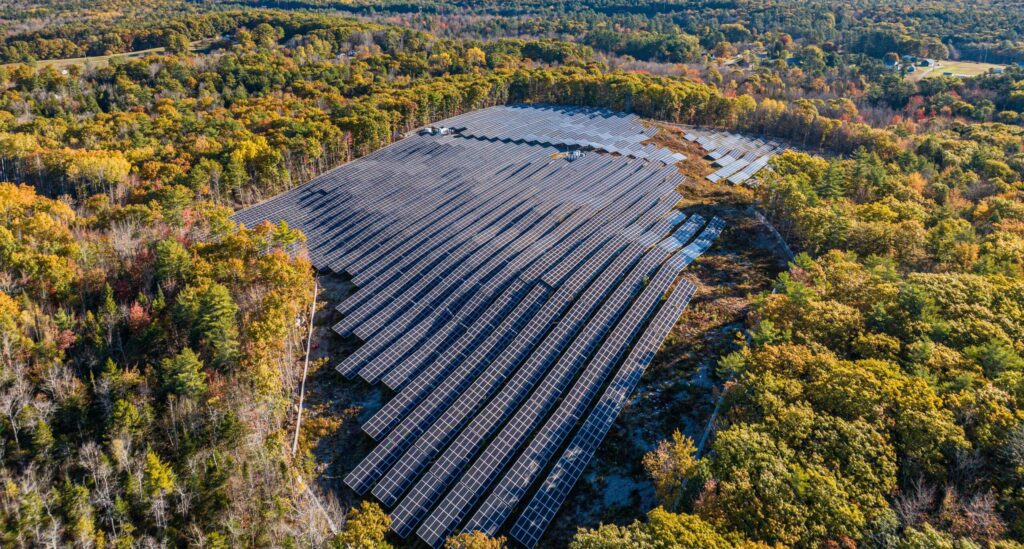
x=483, y=471
x=410, y=511
x=738, y=157
x=499, y=287
x=542, y=361
x=498, y=281
x=531, y=524
x=502, y=501
x=421, y=405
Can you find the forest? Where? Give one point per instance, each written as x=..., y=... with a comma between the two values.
x=151, y=347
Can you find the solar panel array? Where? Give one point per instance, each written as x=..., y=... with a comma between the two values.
x=613, y=132
x=738, y=157
x=511, y=298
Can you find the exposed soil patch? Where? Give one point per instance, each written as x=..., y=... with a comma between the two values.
x=694, y=167
x=330, y=398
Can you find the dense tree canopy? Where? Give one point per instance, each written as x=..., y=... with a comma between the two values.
x=148, y=344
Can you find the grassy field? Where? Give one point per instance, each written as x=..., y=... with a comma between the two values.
x=100, y=61
x=97, y=61
x=962, y=69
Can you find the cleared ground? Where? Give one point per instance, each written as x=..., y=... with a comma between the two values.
x=100, y=61
x=963, y=69
x=678, y=391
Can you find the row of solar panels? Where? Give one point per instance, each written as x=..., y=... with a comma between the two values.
x=564, y=126
x=449, y=406
x=738, y=157
x=504, y=295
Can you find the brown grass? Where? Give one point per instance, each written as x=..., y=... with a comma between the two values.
x=694, y=167
x=696, y=189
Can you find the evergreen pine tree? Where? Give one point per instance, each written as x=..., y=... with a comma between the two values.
x=183, y=374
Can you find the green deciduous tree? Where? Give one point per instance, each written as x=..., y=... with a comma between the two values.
x=662, y=530
x=474, y=540
x=365, y=528
x=669, y=465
